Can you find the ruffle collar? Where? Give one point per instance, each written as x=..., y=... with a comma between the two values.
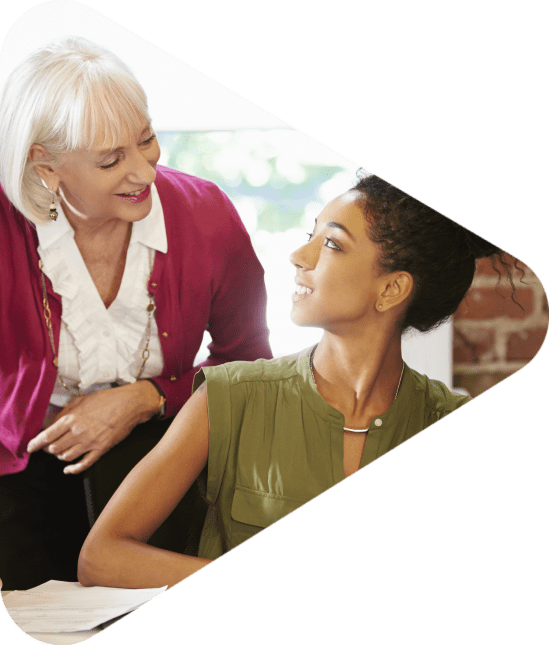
x=83, y=311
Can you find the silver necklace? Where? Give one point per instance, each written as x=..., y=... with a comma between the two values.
x=353, y=429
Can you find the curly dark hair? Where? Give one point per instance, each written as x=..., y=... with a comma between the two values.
x=439, y=254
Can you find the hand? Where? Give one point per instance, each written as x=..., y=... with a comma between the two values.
x=92, y=424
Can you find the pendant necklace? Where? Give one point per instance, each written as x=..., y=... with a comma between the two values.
x=354, y=429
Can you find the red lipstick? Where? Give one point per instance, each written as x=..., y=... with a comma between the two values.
x=135, y=199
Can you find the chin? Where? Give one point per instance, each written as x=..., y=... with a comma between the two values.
x=136, y=215
x=303, y=321
x=140, y=217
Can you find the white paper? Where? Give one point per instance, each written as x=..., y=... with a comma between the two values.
x=57, y=606
x=64, y=638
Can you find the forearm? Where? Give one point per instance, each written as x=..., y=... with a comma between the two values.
x=131, y=564
x=116, y=553
x=146, y=400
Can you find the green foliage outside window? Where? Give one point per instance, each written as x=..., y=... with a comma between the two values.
x=268, y=167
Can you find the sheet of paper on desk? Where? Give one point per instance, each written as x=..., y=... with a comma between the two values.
x=69, y=607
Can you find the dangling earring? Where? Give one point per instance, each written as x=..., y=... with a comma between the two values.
x=53, y=209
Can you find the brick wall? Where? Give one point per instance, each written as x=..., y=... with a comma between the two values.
x=493, y=337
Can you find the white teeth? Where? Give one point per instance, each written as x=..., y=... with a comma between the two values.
x=300, y=289
x=309, y=290
x=136, y=192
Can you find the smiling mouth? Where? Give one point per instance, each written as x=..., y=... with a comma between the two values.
x=136, y=195
x=301, y=291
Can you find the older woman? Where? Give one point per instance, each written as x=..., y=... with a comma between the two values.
x=112, y=269
x=277, y=433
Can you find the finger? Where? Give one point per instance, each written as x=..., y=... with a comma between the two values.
x=84, y=463
x=64, y=443
x=72, y=452
x=55, y=431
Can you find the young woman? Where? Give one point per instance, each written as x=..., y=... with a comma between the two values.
x=275, y=434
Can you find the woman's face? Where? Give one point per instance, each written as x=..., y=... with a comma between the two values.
x=338, y=267
x=106, y=183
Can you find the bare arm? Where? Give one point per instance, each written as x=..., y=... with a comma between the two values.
x=115, y=553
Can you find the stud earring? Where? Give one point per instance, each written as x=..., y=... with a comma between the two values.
x=380, y=306
x=53, y=209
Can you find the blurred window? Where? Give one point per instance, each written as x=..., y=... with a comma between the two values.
x=279, y=181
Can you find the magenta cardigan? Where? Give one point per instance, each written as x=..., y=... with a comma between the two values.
x=210, y=279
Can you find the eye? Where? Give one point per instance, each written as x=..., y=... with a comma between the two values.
x=110, y=165
x=148, y=141
x=331, y=244
x=309, y=236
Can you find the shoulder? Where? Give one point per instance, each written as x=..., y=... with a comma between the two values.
x=255, y=372
x=7, y=210
x=13, y=223
x=438, y=398
x=189, y=201
x=176, y=185
x=171, y=179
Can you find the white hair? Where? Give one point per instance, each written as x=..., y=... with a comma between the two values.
x=63, y=96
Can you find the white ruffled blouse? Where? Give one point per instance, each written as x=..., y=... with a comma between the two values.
x=100, y=346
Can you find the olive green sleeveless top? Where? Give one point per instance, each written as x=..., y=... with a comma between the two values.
x=274, y=443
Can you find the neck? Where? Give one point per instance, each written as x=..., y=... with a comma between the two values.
x=359, y=377
x=103, y=232
x=84, y=226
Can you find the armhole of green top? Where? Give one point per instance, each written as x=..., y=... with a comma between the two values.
x=219, y=433
x=432, y=415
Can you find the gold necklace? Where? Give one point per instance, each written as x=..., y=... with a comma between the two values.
x=47, y=316
x=314, y=382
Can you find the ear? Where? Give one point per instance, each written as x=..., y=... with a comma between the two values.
x=396, y=289
x=48, y=173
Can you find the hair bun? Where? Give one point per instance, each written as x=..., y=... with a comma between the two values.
x=478, y=246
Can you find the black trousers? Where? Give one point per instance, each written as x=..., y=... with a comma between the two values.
x=43, y=523
x=46, y=515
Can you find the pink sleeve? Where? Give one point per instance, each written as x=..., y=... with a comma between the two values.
x=237, y=320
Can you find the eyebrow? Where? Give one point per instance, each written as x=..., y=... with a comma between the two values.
x=109, y=151
x=340, y=226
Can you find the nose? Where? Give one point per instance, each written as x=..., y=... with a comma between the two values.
x=305, y=257
x=143, y=167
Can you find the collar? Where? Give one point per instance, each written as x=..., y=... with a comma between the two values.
x=51, y=232
x=150, y=231
x=390, y=418
x=311, y=395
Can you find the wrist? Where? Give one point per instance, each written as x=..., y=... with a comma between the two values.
x=162, y=398
x=152, y=402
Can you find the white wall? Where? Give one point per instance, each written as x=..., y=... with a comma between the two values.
x=180, y=98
